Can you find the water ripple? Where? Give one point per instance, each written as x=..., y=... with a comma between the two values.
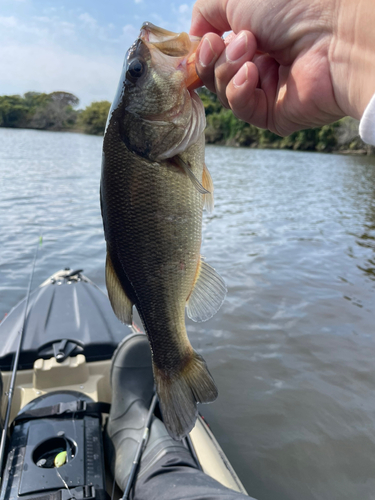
x=293, y=345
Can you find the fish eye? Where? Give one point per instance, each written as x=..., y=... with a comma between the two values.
x=135, y=70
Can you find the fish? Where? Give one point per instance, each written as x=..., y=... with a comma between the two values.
x=154, y=186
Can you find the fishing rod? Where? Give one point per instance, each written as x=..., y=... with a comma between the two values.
x=15, y=366
x=140, y=448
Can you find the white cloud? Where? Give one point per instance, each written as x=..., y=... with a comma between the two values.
x=138, y=1
x=158, y=19
x=183, y=9
x=103, y=33
x=42, y=19
x=45, y=54
x=181, y=18
x=8, y=22
x=184, y=17
x=38, y=27
x=57, y=69
x=130, y=32
x=73, y=52
x=67, y=29
x=88, y=20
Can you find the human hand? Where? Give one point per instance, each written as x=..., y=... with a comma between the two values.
x=294, y=63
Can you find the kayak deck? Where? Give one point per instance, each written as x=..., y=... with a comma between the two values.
x=71, y=301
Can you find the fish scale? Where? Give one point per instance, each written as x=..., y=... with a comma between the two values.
x=154, y=246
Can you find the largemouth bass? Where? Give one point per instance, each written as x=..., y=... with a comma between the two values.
x=154, y=186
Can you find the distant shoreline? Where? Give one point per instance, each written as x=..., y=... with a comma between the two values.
x=224, y=128
x=56, y=112
x=346, y=152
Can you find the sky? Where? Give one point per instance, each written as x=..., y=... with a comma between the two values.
x=76, y=46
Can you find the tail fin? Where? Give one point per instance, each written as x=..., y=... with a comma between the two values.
x=179, y=394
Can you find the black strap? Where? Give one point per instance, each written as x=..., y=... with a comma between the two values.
x=86, y=492
x=63, y=410
x=53, y=495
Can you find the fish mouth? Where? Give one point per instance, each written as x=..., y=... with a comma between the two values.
x=177, y=45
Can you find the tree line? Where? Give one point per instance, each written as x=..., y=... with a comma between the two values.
x=224, y=128
x=58, y=111
x=55, y=111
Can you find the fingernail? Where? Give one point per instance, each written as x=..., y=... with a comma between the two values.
x=241, y=77
x=236, y=48
x=206, y=54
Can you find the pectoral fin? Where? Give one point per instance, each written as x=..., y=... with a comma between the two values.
x=208, y=293
x=209, y=186
x=120, y=302
x=198, y=186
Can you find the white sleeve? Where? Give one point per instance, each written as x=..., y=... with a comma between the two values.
x=367, y=123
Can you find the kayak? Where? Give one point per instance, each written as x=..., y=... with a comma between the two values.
x=62, y=395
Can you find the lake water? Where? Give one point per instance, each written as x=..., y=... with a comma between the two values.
x=293, y=347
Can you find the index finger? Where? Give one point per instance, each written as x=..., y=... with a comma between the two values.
x=209, y=16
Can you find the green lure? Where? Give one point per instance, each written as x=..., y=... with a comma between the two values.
x=60, y=459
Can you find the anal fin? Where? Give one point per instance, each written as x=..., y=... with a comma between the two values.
x=207, y=295
x=120, y=302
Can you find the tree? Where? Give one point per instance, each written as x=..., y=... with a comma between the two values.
x=54, y=111
x=13, y=111
x=94, y=117
x=63, y=99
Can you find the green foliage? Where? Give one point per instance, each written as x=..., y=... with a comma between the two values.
x=93, y=118
x=210, y=101
x=35, y=99
x=53, y=111
x=327, y=138
x=37, y=110
x=13, y=111
x=224, y=128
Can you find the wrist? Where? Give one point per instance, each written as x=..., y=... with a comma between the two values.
x=352, y=56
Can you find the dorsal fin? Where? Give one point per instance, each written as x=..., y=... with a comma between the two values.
x=207, y=295
x=120, y=302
